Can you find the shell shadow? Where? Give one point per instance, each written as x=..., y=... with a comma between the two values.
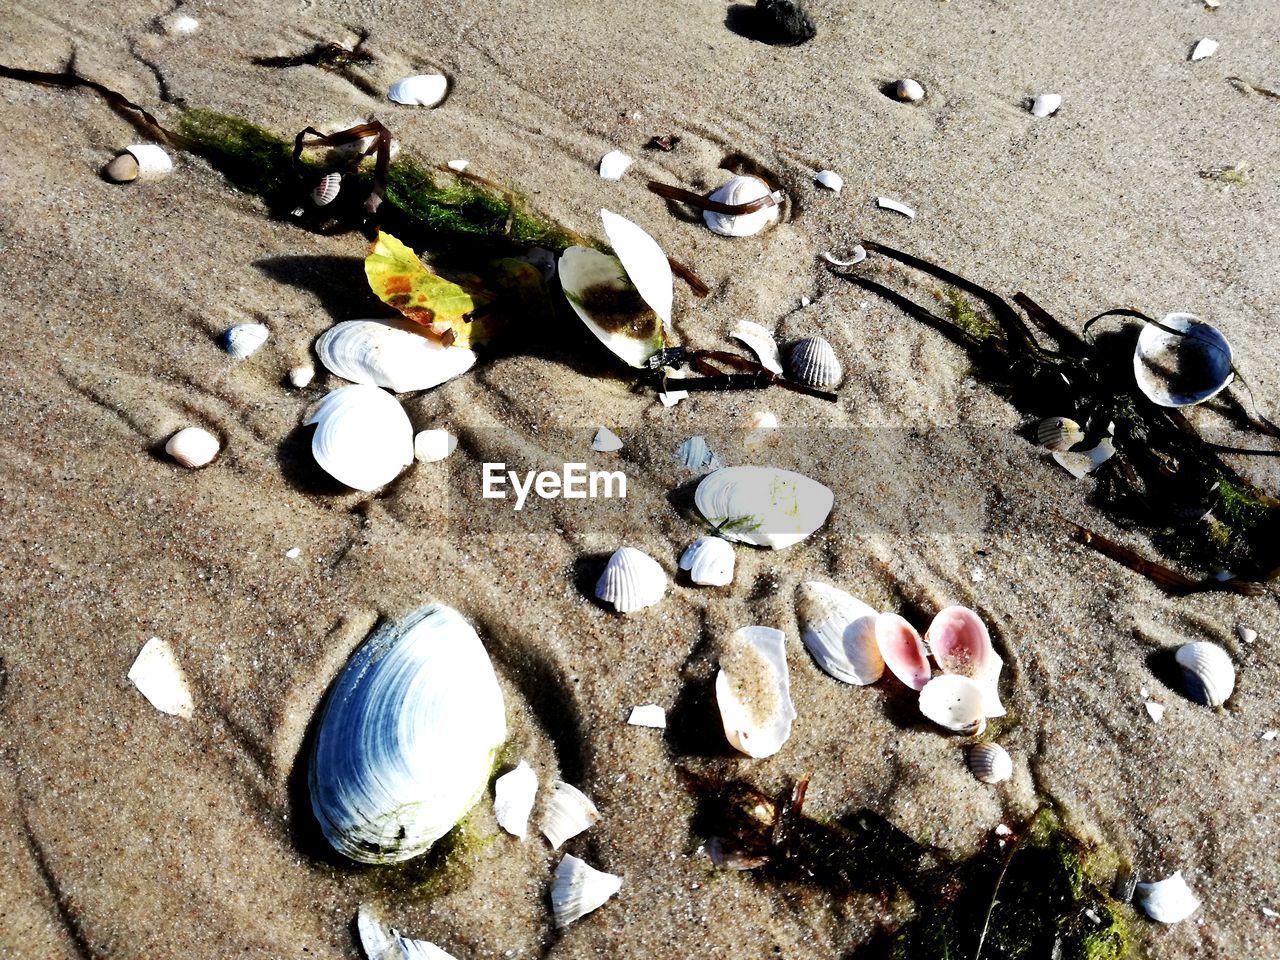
x=694, y=727
x=1164, y=667
x=304, y=829
x=586, y=572
x=338, y=283
x=299, y=467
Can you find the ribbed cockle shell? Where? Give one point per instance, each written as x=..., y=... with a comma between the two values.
x=813, y=361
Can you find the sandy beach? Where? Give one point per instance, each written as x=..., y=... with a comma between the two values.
x=126, y=833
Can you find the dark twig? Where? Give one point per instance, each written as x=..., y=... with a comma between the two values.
x=706, y=203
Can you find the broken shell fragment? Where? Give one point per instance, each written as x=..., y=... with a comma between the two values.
x=1246, y=634
x=813, y=361
x=244, y=339
x=193, y=447
x=1168, y=901
x=141, y=162
x=423, y=90
x=857, y=255
x=960, y=643
x=606, y=441
x=390, y=353
x=614, y=164
x=709, y=561
x=830, y=179
x=1081, y=464
x=302, y=376
x=954, y=702
x=326, y=191
x=990, y=763
x=696, y=454
x=1208, y=674
x=1058, y=433
x=159, y=678
x=431, y=446
x=363, y=438
x=887, y=203
x=763, y=506
x=839, y=631
x=1046, y=105
x=380, y=942
x=737, y=191
x=1205, y=47
x=1182, y=362
x=569, y=812
x=760, y=341
x=753, y=692
x=908, y=90
x=648, y=715
x=578, y=889
x=182, y=25
x=513, y=796
x=647, y=266
x=903, y=651
x=632, y=580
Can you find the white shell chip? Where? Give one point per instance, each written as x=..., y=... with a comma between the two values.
x=159, y=678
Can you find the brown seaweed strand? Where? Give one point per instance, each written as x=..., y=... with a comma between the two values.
x=706, y=203
x=696, y=284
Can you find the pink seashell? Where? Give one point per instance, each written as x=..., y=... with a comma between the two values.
x=903, y=651
x=960, y=643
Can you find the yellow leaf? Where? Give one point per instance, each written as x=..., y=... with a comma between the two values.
x=443, y=308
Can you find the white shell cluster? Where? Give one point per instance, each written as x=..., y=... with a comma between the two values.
x=739, y=190
x=1207, y=672
x=578, y=889
x=763, y=506
x=990, y=763
x=193, y=447
x=513, y=795
x=244, y=339
x=838, y=630
x=407, y=738
x=1058, y=433
x=1190, y=365
x=363, y=437
x=709, y=561
x=422, y=90
x=813, y=361
x=159, y=678
x=1167, y=901
x=753, y=692
x=568, y=813
x=632, y=580
x=391, y=354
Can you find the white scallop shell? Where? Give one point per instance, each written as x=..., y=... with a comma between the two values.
x=513, y=795
x=429, y=446
x=302, y=376
x=1207, y=672
x=813, y=360
x=1046, y=104
x=753, y=692
x=1058, y=433
x=390, y=353
x=578, y=889
x=159, y=678
x=632, y=580
x=761, y=343
x=763, y=506
x=738, y=190
x=153, y=162
x=606, y=441
x=1205, y=47
x=990, y=763
x=908, y=90
x=407, y=737
x=709, y=561
x=648, y=715
x=838, y=630
x=422, y=90
x=614, y=164
x=244, y=339
x=954, y=702
x=193, y=447
x=380, y=942
x=696, y=454
x=830, y=179
x=1184, y=368
x=363, y=438
x=1169, y=900
x=324, y=192
x=568, y=813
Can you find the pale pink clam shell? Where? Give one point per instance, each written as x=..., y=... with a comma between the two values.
x=903, y=651
x=960, y=643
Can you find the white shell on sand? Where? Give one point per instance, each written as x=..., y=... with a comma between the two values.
x=739, y=190
x=856, y=256
x=903, y=650
x=380, y=942
x=1082, y=463
x=763, y=506
x=302, y=376
x=760, y=341
x=696, y=454
x=1205, y=47
x=668, y=397
x=432, y=445
x=908, y=90
x=1046, y=105
x=568, y=813
x=1058, y=433
x=193, y=447
x=182, y=25
x=1182, y=368
x=606, y=441
x=513, y=796
x=838, y=630
x=753, y=691
x=709, y=561
x=1246, y=633
x=159, y=678
x=611, y=305
x=990, y=763
x=614, y=164
x=813, y=361
x=390, y=353
x=139, y=161
x=953, y=702
x=578, y=889
x=960, y=644
x=648, y=715
x=457, y=166
x=763, y=423
x=1154, y=710
x=422, y=90
x=1207, y=672
x=1168, y=901
x=632, y=580
x=830, y=179
x=244, y=339
x=407, y=737
x=363, y=438
x=888, y=203
x=647, y=266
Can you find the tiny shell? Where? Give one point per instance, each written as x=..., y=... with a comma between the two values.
x=908, y=90
x=193, y=447
x=830, y=179
x=1083, y=463
x=1046, y=104
x=709, y=561
x=990, y=763
x=457, y=166
x=606, y=441
x=761, y=343
x=1154, y=710
x=390, y=353
x=182, y=25
x=324, y=192
x=244, y=339
x=430, y=446
x=887, y=203
x=858, y=254
x=569, y=812
x=839, y=632
x=1168, y=901
x=648, y=715
x=1207, y=672
x=753, y=692
x=380, y=942
x=423, y=90
x=513, y=796
x=614, y=164
x=696, y=454
x=954, y=702
x=763, y=506
x=1204, y=48
x=578, y=889
x=302, y=376
x=363, y=438
x=903, y=651
x=763, y=422
x=632, y=580
x=813, y=361
x=139, y=161
x=1058, y=433
x=159, y=678
x=739, y=190
x=1246, y=634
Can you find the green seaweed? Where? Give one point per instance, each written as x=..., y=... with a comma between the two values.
x=963, y=315
x=250, y=156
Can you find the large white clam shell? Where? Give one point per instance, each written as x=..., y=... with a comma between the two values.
x=960, y=643
x=381, y=942
x=990, y=763
x=739, y=190
x=362, y=438
x=193, y=447
x=903, y=651
x=839, y=631
x=1169, y=900
x=244, y=339
x=513, y=795
x=753, y=691
x=391, y=354
x=631, y=580
x=569, y=812
x=611, y=305
x=422, y=90
x=1207, y=672
x=407, y=738
x=763, y=506
x=1184, y=368
x=954, y=702
x=159, y=678
x=578, y=889
x=709, y=561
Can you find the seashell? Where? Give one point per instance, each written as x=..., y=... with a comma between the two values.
x=908, y=90
x=193, y=447
x=569, y=812
x=380, y=942
x=293, y=553
x=614, y=164
x=632, y=580
x=762, y=422
x=1185, y=367
x=709, y=561
x=1046, y=105
x=648, y=715
x=813, y=361
x=363, y=438
x=457, y=166
x=903, y=651
x=856, y=257
x=407, y=737
x=513, y=796
x=606, y=441
x=763, y=506
x=954, y=702
x=647, y=266
x=430, y=446
x=324, y=192
x=302, y=376
x=887, y=203
x=990, y=763
x=1154, y=710
x=1245, y=633
x=725, y=857
x=670, y=398
x=839, y=631
x=390, y=353
x=830, y=179
x=1168, y=901
x=960, y=643
x=760, y=341
x=696, y=454
x=578, y=889
x=1058, y=433
x=1207, y=672
x=739, y=190
x=141, y=162
x=244, y=339
x=422, y=90
x=1081, y=464
x=753, y=691
x=1205, y=48
x=159, y=678
x=182, y=25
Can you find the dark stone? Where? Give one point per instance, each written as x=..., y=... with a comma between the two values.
x=783, y=23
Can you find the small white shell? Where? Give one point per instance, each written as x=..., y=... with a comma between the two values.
x=1169, y=900
x=761, y=343
x=244, y=339
x=696, y=454
x=363, y=438
x=422, y=90
x=1204, y=48
x=324, y=192
x=430, y=446
x=606, y=441
x=1081, y=464
x=763, y=506
x=568, y=813
x=954, y=702
x=193, y=447
x=182, y=25
x=614, y=164
x=1207, y=672
x=1154, y=710
x=578, y=889
x=153, y=162
x=513, y=796
x=990, y=763
x=1184, y=368
x=632, y=580
x=858, y=254
x=380, y=942
x=830, y=179
x=159, y=678
x=887, y=203
x=648, y=715
x=457, y=166
x=838, y=630
x=709, y=561
x=1245, y=633
x=1045, y=105
x=1058, y=433
x=813, y=361
x=302, y=376
x=391, y=354
x=908, y=90
x=739, y=190
x=753, y=692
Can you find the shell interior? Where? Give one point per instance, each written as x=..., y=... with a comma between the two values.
x=753, y=692
x=600, y=293
x=960, y=644
x=1190, y=365
x=646, y=265
x=903, y=651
